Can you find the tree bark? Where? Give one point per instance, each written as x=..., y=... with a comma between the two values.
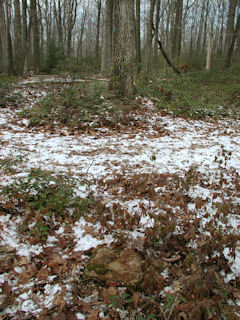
x=157, y=20
x=209, y=52
x=107, y=36
x=35, y=29
x=3, y=42
x=231, y=47
x=80, y=40
x=230, y=24
x=122, y=76
x=99, y=7
x=18, y=39
x=229, y=40
x=176, y=29
x=148, y=46
x=138, y=36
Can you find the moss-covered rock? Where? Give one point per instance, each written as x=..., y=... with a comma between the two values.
x=116, y=265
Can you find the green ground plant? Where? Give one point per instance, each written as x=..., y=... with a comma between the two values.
x=78, y=105
x=46, y=197
x=9, y=165
x=6, y=87
x=197, y=95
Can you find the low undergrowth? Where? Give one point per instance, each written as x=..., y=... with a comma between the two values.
x=78, y=106
x=198, y=95
x=7, y=96
x=44, y=198
x=189, y=243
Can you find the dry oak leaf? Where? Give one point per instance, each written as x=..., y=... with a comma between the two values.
x=107, y=293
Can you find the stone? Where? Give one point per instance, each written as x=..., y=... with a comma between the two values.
x=7, y=255
x=116, y=265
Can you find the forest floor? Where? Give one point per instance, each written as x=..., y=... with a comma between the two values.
x=132, y=179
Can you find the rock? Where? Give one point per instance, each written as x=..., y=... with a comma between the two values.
x=115, y=265
x=7, y=255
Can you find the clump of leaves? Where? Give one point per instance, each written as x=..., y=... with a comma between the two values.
x=43, y=191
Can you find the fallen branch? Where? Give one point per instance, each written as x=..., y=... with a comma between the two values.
x=167, y=59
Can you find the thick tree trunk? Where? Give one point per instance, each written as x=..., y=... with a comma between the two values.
x=205, y=28
x=179, y=13
x=35, y=29
x=230, y=37
x=230, y=24
x=26, y=36
x=9, y=41
x=18, y=48
x=228, y=57
x=58, y=18
x=200, y=31
x=71, y=20
x=148, y=46
x=80, y=40
x=156, y=35
x=122, y=76
x=138, y=36
x=3, y=42
x=176, y=29
x=99, y=7
x=107, y=36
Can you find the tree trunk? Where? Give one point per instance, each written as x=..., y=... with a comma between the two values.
x=99, y=7
x=156, y=35
x=176, y=37
x=179, y=13
x=58, y=18
x=138, y=36
x=148, y=46
x=205, y=28
x=200, y=32
x=229, y=32
x=26, y=37
x=122, y=76
x=18, y=39
x=71, y=20
x=9, y=40
x=231, y=47
x=230, y=23
x=107, y=36
x=3, y=42
x=35, y=29
x=209, y=52
x=80, y=41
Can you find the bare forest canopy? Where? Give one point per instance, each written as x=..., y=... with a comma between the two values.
x=42, y=35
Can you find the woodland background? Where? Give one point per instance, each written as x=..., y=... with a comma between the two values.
x=42, y=35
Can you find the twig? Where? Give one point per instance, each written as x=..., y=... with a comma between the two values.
x=89, y=166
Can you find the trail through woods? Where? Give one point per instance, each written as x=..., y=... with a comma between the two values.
x=188, y=167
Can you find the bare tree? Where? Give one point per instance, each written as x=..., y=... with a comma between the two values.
x=230, y=32
x=3, y=40
x=138, y=36
x=229, y=53
x=18, y=48
x=99, y=7
x=122, y=76
x=107, y=36
x=148, y=46
x=156, y=35
x=35, y=29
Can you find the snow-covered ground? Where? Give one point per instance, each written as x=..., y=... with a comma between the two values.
x=164, y=145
